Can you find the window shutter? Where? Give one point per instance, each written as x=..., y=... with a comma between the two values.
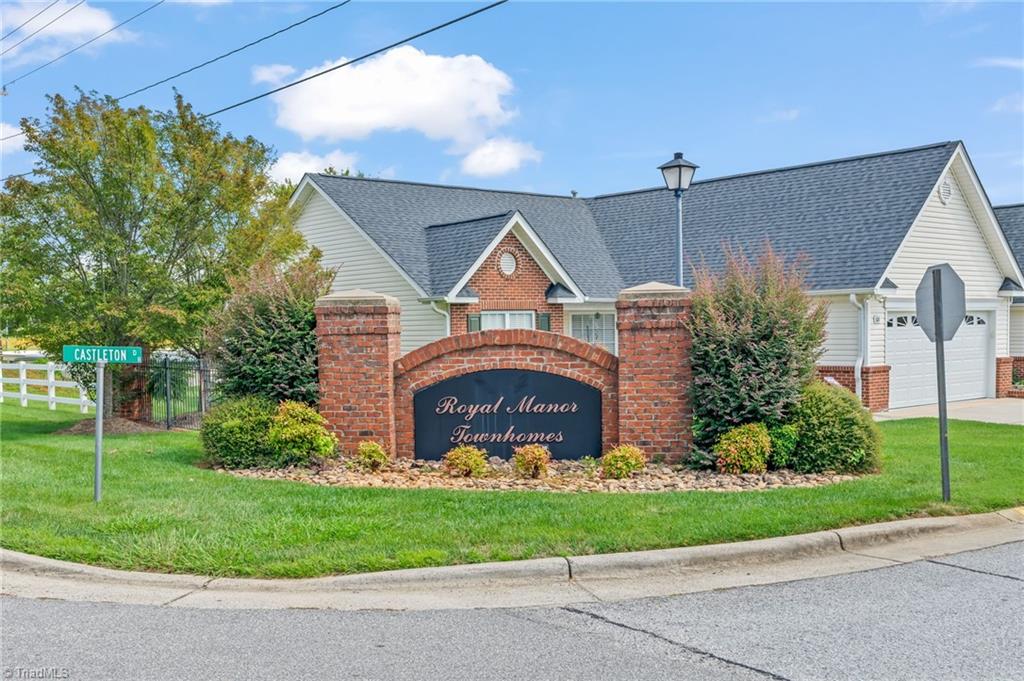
x=472, y=323
x=544, y=321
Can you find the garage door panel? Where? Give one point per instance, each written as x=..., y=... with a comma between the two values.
x=912, y=359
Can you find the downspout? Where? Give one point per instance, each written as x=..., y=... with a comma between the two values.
x=446, y=315
x=861, y=343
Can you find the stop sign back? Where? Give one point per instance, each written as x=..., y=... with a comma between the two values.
x=953, y=303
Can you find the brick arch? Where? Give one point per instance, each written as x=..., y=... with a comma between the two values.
x=524, y=349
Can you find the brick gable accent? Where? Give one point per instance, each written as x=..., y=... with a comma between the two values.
x=524, y=289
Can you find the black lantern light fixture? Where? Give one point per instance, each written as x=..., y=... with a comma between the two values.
x=678, y=174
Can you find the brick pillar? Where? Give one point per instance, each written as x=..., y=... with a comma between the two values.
x=654, y=369
x=1004, y=376
x=358, y=335
x=874, y=387
x=134, y=401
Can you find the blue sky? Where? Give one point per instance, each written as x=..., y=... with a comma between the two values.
x=555, y=97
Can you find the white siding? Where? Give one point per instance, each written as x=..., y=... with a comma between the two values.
x=360, y=265
x=1017, y=331
x=841, y=332
x=947, y=233
x=876, y=332
x=1002, y=328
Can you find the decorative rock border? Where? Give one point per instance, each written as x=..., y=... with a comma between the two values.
x=564, y=476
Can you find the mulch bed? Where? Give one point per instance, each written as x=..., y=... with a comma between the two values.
x=563, y=476
x=114, y=425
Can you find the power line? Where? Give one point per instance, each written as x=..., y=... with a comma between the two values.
x=360, y=58
x=87, y=42
x=27, y=21
x=42, y=27
x=236, y=50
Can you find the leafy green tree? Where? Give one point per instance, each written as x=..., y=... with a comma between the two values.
x=131, y=224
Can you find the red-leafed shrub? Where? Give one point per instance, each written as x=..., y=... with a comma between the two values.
x=744, y=449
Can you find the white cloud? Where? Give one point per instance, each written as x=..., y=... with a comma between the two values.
x=1001, y=63
x=446, y=98
x=1009, y=104
x=947, y=8
x=292, y=165
x=781, y=116
x=72, y=29
x=498, y=156
x=12, y=146
x=271, y=73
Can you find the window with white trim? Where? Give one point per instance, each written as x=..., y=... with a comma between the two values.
x=512, y=319
x=594, y=327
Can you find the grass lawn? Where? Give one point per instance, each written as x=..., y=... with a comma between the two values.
x=160, y=512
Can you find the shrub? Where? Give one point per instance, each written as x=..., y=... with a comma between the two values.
x=835, y=432
x=235, y=433
x=784, y=440
x=371, y=456
x=466, y=461
x=265, y=340
x=299, y=436
x=622, y=462
x=756, y=339
x=744, y=449
x=531, y=461
x=590, y=466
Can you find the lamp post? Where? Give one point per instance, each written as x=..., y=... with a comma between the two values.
x=678, y=173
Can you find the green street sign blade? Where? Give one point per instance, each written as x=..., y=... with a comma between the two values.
x=111, y=354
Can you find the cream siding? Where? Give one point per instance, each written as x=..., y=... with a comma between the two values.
x=360, y=265
x=1002, y=328
x=841, y=332
x=1017, y=331
x=876, y=332
x=947, y=233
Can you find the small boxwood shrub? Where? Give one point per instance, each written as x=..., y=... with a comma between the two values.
x=299, y=436
x=836, y=433
x=622, y=462
x=371, y=456
x=466, y=461
x=531, y=461
x=784, y=440
x=234, y=433
x=743, y=449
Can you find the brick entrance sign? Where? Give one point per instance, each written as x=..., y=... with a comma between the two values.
x=367, y=386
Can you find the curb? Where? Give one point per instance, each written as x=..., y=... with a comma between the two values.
x=537, y=581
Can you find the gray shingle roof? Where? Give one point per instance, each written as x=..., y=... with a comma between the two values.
x=1011, y=219
x=847, y=216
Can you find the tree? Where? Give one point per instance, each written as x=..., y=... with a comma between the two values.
x=756, y=338
x=131, y=224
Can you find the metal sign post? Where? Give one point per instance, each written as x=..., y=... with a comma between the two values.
x=102, y=355
x=97, y=484
x=941, y=305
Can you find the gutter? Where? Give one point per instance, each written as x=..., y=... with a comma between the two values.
x=861, y=343
x=446, y=315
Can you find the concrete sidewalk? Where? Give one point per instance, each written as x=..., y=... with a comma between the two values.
x=1004, y=410
x=542, y=582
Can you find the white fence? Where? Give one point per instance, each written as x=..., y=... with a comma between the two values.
x=22, y=382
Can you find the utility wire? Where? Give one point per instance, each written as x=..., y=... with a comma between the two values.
x=438, y=27
x=27, y=21
x=87, y=42
x=42, y=27
x=236, y=50
x=360, y=58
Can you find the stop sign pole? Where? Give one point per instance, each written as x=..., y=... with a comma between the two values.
x=940, y=365
x=941, y=305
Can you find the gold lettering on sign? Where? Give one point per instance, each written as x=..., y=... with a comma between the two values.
x=451, y=405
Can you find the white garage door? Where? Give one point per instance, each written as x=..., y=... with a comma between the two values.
x=912, y=358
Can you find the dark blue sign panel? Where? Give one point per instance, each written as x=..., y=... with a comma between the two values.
x=501, y=409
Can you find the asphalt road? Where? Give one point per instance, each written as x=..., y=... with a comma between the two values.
x=959, y=617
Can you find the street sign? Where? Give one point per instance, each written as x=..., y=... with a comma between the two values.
x=954, y=302
x=111, y=354
x=941, y=306
x=101, y=355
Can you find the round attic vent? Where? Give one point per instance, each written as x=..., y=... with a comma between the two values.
x=507, y=263
x=945, y=191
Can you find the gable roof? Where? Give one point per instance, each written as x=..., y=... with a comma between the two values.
x=847, y=216
x=1011, y=219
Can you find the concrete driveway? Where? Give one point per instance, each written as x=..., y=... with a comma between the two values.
x=1004, y=410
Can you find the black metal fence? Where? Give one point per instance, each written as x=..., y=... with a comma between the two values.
x=167, y=392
